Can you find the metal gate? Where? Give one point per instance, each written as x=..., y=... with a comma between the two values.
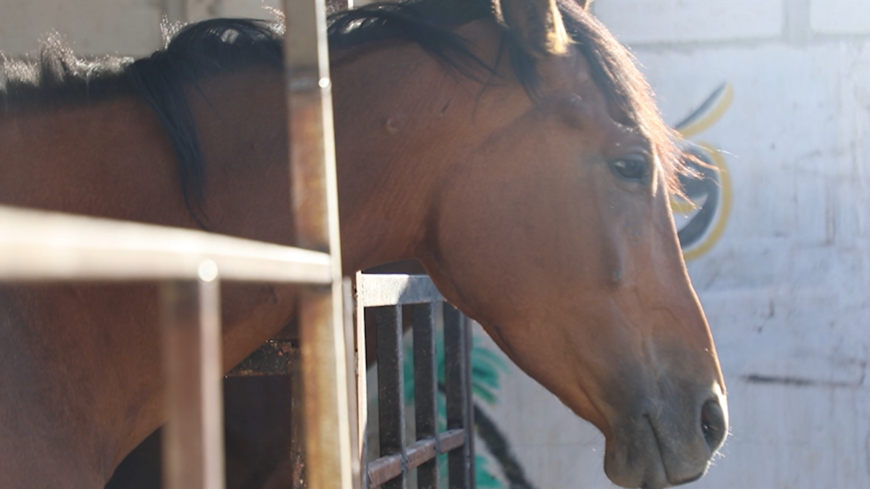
x=38, y=246
x=383, y=299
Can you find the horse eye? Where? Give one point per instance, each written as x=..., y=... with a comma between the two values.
x=631, y=169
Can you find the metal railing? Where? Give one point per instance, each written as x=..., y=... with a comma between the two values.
x=44, y=246
x=386, y=300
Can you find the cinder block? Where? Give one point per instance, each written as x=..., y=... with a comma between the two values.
x=126, y=27
x=254, y=9
x=679, y=21
x=840, y=16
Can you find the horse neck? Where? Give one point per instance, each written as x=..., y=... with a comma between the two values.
x=390, y=132
x=109, y=159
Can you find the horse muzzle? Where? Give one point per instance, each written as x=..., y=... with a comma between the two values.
x=667, y=444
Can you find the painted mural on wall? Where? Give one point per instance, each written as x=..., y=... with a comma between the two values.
x=702, y=221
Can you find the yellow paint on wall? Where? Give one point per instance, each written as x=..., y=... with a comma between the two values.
x=712, y=116
x=724, y=211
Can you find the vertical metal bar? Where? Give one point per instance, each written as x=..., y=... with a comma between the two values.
x=312, y=145
x=352, y=395
x=425, y=388
x=469, y=398
x=391, y=392
x=297, y=423
x=362, y=404
x=455, y=367
x=193, y=445
x=315, y=205
x=324, y=403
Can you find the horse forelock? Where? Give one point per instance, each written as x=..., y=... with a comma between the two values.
x=615, y=71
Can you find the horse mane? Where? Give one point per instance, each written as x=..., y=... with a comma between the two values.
x=219, y=46
x=199, y=50
x=204, y=49
x=57, y=76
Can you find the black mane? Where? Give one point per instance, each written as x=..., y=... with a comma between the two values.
x=196, y=51
x=220, y=46
x=207, y=48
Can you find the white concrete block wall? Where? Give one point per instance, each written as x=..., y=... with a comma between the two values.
x=126, y=27
x=785, y=289
x=678, y=21
x=122, y=27
x=840, y=16
x=255, y=9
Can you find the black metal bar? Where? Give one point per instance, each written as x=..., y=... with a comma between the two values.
x=425, y=389
x=455, y=379
x=356, y=463
x=361, y=412
x=391, y=395
x=469, y=397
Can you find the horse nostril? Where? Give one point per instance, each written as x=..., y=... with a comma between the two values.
x=713, y=424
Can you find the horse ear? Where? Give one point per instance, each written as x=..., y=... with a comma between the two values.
x=536, y=24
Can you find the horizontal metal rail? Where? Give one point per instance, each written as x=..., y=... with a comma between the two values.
x=41, y=246
x=389, y=467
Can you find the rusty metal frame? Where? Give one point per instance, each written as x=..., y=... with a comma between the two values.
x=41, y=246
x=381, y=298
x=325, y=383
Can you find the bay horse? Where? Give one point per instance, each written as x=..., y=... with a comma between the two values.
x=511, y=146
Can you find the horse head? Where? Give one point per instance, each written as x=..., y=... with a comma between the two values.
x=541, y=186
